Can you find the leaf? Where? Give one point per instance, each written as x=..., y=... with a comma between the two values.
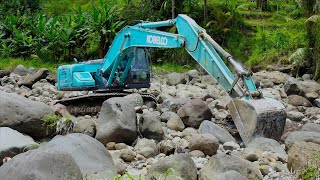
x=298, y=57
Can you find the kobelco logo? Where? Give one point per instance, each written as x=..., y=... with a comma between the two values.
x=158, y=40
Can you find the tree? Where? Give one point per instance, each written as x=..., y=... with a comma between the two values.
x=262, y=4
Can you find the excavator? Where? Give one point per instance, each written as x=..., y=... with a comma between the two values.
x=126, y=66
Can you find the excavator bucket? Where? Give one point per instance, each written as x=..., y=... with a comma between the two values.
x=258, y=118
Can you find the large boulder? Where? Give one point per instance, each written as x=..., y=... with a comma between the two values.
x=222, y=163
x=117, y=121
x=39, y=164
x=12, y=142
x=217, y=131
x=24, y=115
x=274, y=76
x=301, y=153
x=21, y=70
x=292, y=86
x=150, y=126
x=90, y=155
x=302, y=136
x=175, y=78
x=260, y=145
x=297, y=100
x=35, y=76
x=179, y=166
x=174, y=104
x=206, y=143
x=194, y=112
x=312, y=127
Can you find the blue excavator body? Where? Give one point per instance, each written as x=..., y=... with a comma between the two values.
x=126, y=66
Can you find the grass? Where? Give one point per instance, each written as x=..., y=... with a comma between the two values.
x=10, y=64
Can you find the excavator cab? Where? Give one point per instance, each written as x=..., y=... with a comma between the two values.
x=139, y=74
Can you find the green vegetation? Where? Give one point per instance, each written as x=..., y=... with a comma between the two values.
x=312, y=170
x=257, y=32
x=51, y=121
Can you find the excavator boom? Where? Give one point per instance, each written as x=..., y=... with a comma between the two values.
x=253, y=115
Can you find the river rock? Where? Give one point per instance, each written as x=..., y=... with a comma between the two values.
x=4, y=73
x=217, y=131
x=297, y=100
x=175, y=123
x=302, y=136
x=24, y=115
x=117, y=121
x=146, y=147
x=39, y=164
x=85, y=126
x=21, y=70
x=12, y=142
x=166, y=147
x=260, y=145
x=295, y=115
x=150, y=126
x=222, y=163
x=275, y=76
x=292, y=86
x=302, y=153
x=175, y=78
x=206, y=143
x=312, y=127
x=174, y=104
x=194, y=112
x=35, y=76
x=135, y=98
x=181, y=166
x=228, y=175
x=90, y=155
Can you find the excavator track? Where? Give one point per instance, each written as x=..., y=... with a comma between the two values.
x=91, y=104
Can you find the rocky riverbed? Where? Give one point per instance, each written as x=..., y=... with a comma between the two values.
x=189, y=134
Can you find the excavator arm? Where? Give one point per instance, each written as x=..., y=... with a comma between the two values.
x=253, y=115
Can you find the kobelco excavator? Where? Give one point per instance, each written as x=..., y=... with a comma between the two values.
x=126, y=66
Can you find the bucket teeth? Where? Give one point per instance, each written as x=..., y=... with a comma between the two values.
x=258, y=118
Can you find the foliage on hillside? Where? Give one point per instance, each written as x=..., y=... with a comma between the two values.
x=60, y=30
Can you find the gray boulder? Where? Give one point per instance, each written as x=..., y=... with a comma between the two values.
x=206, y=143
x=39, y=164
x=150, y=126
x=292, y=86
x=222, y=163
x=274, y=76
x=175, y=78
x=260, y=145
x=217, y=131
x=302, y=136
x=135, y=98
x=7, y=80
x=24, y=115
x=194, y=112
x=146, y=147
x=85, y=126
x=12, y=142
x=117, y=121
x=175, y=123
x=174, y=104
x=295, y=115
x=21, y=70
x=35, y=76
x=312, y=127
x=296, y=100
x=90, y=155
x=181, y=166
x=229, y=175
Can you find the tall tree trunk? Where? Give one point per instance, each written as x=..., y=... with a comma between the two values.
x=173, y=9
x=205, y=11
